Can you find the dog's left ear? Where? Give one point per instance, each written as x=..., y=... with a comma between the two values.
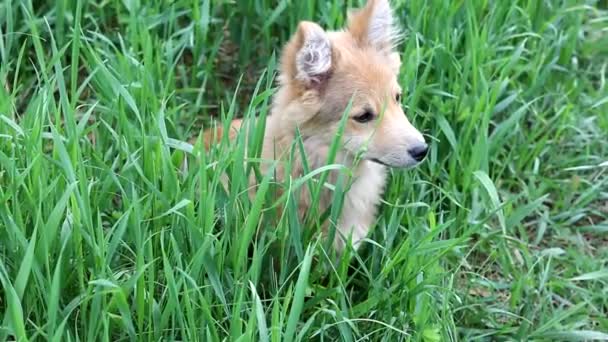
x=374, y=25
x=307, y=58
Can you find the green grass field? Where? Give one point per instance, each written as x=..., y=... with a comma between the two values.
x=501, y=234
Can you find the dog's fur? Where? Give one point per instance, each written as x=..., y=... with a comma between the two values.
x=320, y=73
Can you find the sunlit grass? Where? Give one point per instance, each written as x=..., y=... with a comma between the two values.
x=499, y=235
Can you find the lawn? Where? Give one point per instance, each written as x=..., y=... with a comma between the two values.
x=501, y=234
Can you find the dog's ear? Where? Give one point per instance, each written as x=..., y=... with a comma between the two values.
x=374, y=25
x=307, y=58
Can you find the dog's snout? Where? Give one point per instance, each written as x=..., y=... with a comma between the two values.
x=419, y=152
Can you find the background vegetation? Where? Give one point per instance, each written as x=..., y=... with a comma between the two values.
x=500, y=235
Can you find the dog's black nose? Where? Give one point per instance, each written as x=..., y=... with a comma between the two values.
x=419, y=152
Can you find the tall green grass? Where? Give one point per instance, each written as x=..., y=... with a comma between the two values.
x=500, y=235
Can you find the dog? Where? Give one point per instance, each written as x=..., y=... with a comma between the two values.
x=322, y=73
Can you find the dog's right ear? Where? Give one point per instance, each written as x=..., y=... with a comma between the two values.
x=307, y=58
x=375, y=25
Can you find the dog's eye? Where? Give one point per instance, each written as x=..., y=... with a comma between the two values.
x=398, y=97
x=367, y=116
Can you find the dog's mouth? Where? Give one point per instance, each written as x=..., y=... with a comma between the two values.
x=407, y=166
x=378, y=161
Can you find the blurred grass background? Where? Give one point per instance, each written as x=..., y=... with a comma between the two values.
x=500, y=235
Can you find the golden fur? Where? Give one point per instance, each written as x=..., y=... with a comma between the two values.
x=320, y=73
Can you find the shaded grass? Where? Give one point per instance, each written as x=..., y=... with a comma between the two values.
x=501, y=234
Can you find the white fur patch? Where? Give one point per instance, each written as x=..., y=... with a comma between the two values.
x=314, y=58
x=383, y=33
x=360, y=204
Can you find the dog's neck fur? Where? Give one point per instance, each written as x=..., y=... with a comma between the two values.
x=361, y=202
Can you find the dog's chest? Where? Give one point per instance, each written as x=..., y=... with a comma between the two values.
x=361, y=201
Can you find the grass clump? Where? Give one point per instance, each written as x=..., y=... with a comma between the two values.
x=500, y=235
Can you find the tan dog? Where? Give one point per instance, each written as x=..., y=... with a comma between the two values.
x=320, y=73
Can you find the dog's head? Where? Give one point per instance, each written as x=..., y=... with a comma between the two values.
x=321, y=72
